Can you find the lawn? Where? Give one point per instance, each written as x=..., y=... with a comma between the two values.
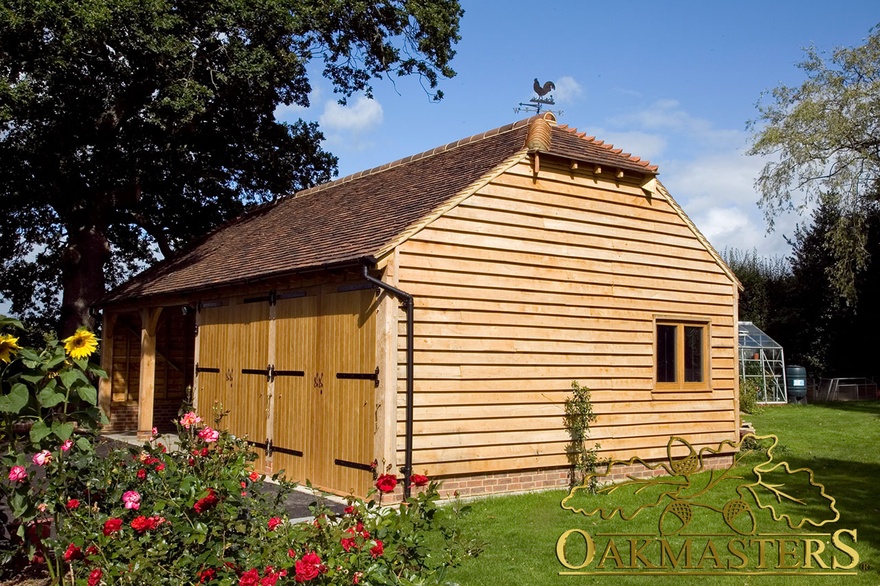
x=840, y=442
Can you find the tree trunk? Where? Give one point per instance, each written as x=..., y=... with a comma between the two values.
x=82, y=276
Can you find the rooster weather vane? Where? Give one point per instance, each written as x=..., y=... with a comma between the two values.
x=542, y=98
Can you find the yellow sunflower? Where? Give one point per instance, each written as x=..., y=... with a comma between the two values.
x=8, y=347
x=81, y=344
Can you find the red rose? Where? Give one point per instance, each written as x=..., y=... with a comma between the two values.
x=207, y=575
x=271, y=578
x=309, y=567
x=95, y=577
x=140, y=524
x=348, y=543
x=73, y=553
x=207, y=503
x=254, y=476
x=112, y=526
x=160, y=466
x=274, y=522
x=250, y=578
x=141, y=474
x=73, y=504
x=418, y=480
x=350, y=510
x=377, y=549
x=91, y=550
x=386, y=483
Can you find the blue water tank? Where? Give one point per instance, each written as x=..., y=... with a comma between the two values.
x=796, y=383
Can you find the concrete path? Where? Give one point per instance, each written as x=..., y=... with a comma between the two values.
x=296, y=504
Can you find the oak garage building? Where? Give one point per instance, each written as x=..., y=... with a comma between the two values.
x=533, y=255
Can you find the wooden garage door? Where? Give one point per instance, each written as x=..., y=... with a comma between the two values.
x=233, y=367
x=324, y=419
x=296, y=323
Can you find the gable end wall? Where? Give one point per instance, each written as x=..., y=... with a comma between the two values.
x=529, y=285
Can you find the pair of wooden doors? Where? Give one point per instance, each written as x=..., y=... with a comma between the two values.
x=303, y=385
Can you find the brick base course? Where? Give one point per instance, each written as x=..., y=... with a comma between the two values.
x=548, y=479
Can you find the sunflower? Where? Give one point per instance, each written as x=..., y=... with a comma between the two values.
x=81, y=344
x=8, y=347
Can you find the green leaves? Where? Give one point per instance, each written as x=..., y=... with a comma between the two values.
x=14, y=401
x=821, y=143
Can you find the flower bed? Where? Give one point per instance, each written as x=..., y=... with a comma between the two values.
x=192, y=515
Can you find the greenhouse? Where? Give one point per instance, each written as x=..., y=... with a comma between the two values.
x=761, y=358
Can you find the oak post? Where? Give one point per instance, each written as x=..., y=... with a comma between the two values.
x=147, y=383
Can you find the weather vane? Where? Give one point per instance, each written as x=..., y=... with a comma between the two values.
x=541, y=99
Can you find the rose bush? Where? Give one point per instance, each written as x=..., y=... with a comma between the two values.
x=196, y=514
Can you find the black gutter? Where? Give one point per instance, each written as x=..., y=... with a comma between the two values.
x=407, y=304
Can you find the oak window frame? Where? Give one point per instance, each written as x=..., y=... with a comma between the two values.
x=672, y=330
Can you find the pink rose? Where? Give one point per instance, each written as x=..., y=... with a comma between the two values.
x=190, y=419
x=209, y=435
x=17, y=474
x=66, y=445
x=132, y=500
x=42, y=458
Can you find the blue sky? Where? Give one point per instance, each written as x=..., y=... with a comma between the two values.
x=674, y=82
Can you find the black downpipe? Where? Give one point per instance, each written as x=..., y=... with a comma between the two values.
x=406, y=301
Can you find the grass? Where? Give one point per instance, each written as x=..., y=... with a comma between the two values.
x=840, y=442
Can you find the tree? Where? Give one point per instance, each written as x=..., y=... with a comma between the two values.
x=129, y=127
x=827, y=334
x=764, y=279
x=824, y=142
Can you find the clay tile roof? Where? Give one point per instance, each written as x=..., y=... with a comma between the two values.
x=353, y=217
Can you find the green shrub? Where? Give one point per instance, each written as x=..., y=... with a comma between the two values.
x=193, y=514
x=748, y=395
x=578, y=417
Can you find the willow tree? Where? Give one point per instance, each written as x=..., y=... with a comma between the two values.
x=823, y=143
x=129, y=127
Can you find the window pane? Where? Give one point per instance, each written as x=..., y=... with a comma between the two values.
x=693, y=354
x=665, y=354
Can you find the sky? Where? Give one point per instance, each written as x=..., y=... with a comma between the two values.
x=673, y=82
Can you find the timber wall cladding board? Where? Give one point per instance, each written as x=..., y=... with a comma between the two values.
x=528, y=285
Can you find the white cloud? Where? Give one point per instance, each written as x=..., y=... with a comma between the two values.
x=567, y=90
x=717, y=192
x=668, y=116
x=294, y=112
x=362, y=115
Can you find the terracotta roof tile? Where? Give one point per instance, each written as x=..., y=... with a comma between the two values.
x=353, y=217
